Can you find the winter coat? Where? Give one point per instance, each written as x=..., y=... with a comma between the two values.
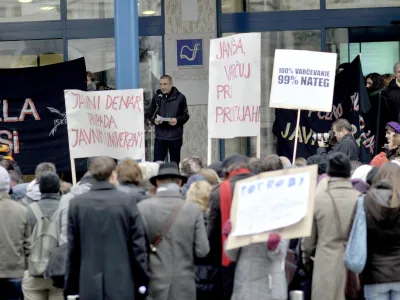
x=138, y=192
x=15, y=235
x=207, y=275
x=82, y=187
x=172, y=105
x=107, y=257
x=383, y=237
x=260, y=273
x=325, y=243
x=214, y=230
x=347, y=145
x=392, y=95
x=172, y=271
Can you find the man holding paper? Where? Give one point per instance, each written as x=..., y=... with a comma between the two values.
x=168, y=112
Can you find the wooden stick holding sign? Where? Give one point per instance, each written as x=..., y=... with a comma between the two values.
x=73, y=170
x=296, y=136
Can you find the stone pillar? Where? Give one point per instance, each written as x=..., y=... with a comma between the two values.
x=187, y=45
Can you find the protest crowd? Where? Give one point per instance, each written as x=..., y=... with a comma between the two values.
x=158, y=230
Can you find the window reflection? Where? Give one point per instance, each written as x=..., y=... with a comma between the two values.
x=30, y=53
x=338, y=4
x=100, y=61
x=232, y=6
x=35, y=10
x=100, y=9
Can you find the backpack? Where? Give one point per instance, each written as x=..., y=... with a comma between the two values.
x=44, y=240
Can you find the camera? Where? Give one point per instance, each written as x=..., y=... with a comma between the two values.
x=326, y=137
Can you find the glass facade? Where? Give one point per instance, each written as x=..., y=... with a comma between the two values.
x=232, y=6
x=341, y=4
x=29, y=10
x=30, y=53
x=100, y=9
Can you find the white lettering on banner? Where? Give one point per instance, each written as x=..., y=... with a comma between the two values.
x=107, y=123
x=272, y=203
x=303, y=80
x=234, y=86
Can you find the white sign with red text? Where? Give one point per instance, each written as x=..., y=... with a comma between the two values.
x=105, y=123
x=234, y=86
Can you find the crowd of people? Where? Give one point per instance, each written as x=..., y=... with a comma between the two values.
x=155, y=230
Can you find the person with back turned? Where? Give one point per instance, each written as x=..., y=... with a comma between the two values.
x=168, y=102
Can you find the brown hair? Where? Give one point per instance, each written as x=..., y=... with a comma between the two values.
x=210, y=175
x=389, y=173
x=129, y=171
x=101, y=167
x=200, y=192
x=300, y=162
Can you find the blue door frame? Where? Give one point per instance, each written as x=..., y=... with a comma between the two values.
x=321, y=19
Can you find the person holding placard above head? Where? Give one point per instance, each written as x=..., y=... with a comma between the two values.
x=345, y=141
x=168, y=112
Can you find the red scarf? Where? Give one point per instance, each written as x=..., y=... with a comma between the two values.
x=225, y=197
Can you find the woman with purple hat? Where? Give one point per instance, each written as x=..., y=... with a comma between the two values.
x=392, y=128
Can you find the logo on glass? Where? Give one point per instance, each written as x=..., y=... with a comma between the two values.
x=189, y=52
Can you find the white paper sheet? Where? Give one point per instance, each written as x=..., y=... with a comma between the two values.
x=272, y=203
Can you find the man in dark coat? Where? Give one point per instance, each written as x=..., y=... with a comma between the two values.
x=106, y=241
x=345, y=141
x=234, y=168
x=392, y=95
x=168, y=102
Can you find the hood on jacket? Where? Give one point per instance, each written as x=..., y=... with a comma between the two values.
x=33, y=191
x=380, y=208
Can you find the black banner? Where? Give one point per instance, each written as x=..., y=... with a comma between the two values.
x=33, y=120
x=350, y=102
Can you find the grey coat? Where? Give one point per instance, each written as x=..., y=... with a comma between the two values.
x=260, y=273
x=172, y=271
x=325, y=243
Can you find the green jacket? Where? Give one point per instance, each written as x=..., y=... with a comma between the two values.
x=14, y=237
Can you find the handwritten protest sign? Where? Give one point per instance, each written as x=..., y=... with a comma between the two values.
x=271, y=203
x=303, y=80
x=107, y=123
x=234, y=86
x=280, y=201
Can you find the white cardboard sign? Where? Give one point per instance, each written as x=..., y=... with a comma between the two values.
x=303, y=80
x=234, y=86
x=105, y=123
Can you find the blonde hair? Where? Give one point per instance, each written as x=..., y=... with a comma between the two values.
x=210, y=175
x=200, y=192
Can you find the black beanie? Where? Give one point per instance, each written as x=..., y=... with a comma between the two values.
x=49, y=183
x=339, y=165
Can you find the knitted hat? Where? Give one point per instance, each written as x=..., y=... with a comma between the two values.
x=49, y=183
x=379, y=160
x=339, y=165
x=395, y=126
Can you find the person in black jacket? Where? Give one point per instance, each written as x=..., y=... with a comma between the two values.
x=345, y=141
x=107, y=247
x=168, y=102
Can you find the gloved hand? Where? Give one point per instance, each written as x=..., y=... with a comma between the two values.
x=273, y=241
x=226, y=229
x=157, y=121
